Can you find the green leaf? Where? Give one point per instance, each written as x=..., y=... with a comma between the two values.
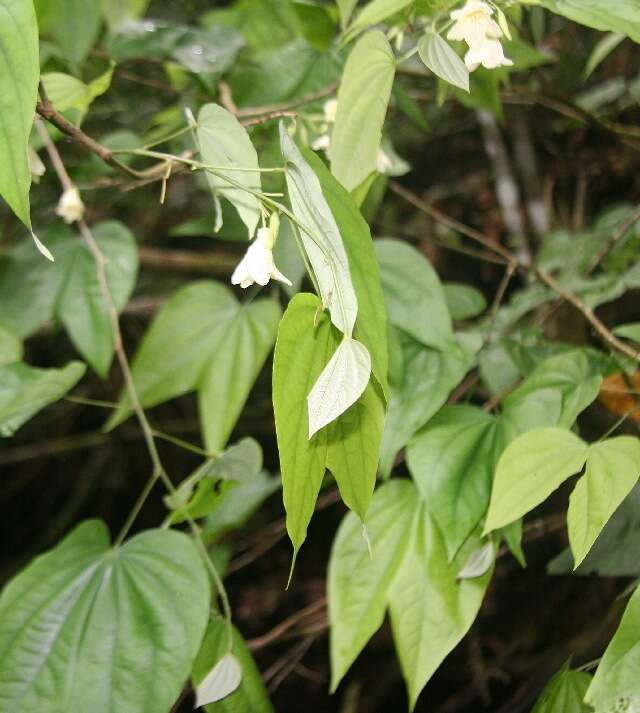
x=25, y=390
x=73, y=24
x=221, y=681
x=621, y=16
x=555, y=392
x=346, y=8
x=339, y=385
x=33, y=290
x=413, y=294
x=463, y=301
x=530, y=469
x=10, y=347
x=512, y=534
x=441, y=59
x=66, y=92
x=224, y=142
x=616, y=684
x=564, y=693
x=371, y=322
x=251, y=694
x=374, y=12
x=19, y=75
x=431, y=609
x=429, y=376
x=613, y=468
x=349, y=447
x=127, y=622
x=452, y=460
x=301, y=352
x=363, y=97
x=204, y=340
x=320, y=237
x=601, y=51
x=358, y=581
x=629, y=331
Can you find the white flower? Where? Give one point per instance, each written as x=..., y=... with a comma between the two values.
x=36, y=167
x=489, y=54
x=258, y=265
x=330, y=109
x=321, y=143
x=473, y=23
x=70, y=206
x=383, y=162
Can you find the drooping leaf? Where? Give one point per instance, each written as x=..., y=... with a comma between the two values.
x=616, y=684
x=346, y=8
x=363, y=97
x=126, y=621
x=204, y=340
x=33, y=290
x=371, y=322
x=358, y=581
x=224, y=143
x=223, y=679
x=19, y=74
x=452, y=460
x=413, y=294
x=320, y=236
x=250, y=694
x=428, y=378
x=479, y=561
x=615, y=551
x=376, y=11
x=25, y=390
x=621, y=16
x=431, y=608
x=339, y=385
x=441, y=59
x=73, y=24
x=300, y=355
x=555, y=392
x=564, y=693
x=530, y=469
x=601, y=51
x=613, y=468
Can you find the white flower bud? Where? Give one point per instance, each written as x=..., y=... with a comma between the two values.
x=70, y=206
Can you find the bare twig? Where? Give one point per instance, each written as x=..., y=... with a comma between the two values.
x=609, y=244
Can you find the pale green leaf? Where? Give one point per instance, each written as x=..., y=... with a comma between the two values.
x=431, y=609
x=33, y=291
x=25, y=390
x=629, y=331
x=479, y=561
x=441, y=59
x=463, y=301
x=358, y=580
x=339, y=385
x=376, y=11
x=224, y=143
x=118, y=12
x=601, y=51
x=66, y=92
x=555, y=392
x=613, y=468
x=371, y=323
x=19, y=74
x=320, y=237
x=363, y=97
x=126, y=621
x=616, y=684
x=413, y=294
x=250, y=696
x=301, y=353
x=530, y=469
x=73, y=24
x=223, y=679
x=620, y=16
x=564, y=693
x=10, y=347
x=428, y=377
x=345, y=8
x=452, y=460
x=204, y=340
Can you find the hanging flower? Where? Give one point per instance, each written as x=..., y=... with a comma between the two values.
x=257, y=265
x=70, y=206
x=475, y=25
x=489, y=54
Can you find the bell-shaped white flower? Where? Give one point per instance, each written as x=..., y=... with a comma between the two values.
x=330, y=108
x=257, y=265
x=321, y=143
x=489, y=54
x=473, y=23
x=70, y=206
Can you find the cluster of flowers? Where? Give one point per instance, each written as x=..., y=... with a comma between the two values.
x=475, y=25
